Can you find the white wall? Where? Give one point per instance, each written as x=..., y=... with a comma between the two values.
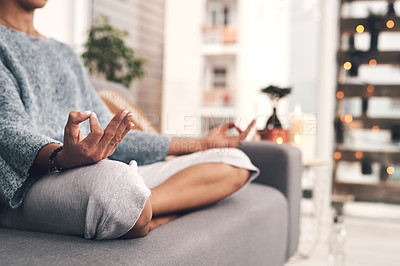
x=183, y=67
x=65, y=20
x=264, y=56
x=305, y=22
x=326, y=78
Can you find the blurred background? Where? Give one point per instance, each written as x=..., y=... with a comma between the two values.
x=207, y=60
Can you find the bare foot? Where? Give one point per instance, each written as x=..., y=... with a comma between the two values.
x=156, y=222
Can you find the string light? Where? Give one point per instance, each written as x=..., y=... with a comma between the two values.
x=279, y=140
x=347, y=65
x=375, y=128
x=373, y=62
x=337, y=155
x=370, y=89
x=348, y=118
x=390, y=24
x=360, y=28
x=390, y=170
x=340, y=95
x=358, y=155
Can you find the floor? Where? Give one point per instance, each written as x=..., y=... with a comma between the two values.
x=373, y=236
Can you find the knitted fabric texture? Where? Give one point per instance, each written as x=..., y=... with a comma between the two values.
x=41, y=81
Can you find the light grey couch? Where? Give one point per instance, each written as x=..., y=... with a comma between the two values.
x=257, y=226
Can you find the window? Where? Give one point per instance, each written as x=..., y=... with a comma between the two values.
x=219, y=78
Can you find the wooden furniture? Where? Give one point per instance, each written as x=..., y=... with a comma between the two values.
x=116, y=102
x=385, y=190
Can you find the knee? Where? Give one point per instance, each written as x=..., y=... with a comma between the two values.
x=116, y=201
x=236, y=177
x=241, y=176
x=145, y=216
x=142, y=225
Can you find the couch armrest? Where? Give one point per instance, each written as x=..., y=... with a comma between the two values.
x=281, y=168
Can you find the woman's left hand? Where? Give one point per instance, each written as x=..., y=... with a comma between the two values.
x=218, y=137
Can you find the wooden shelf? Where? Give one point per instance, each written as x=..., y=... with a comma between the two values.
x=382, y=152
x=349, y=25
x=382, y=123
x=390, y=57
x=376, y=156
x=383, y=192
x=359, y=90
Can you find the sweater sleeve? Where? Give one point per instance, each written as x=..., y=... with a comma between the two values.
x=142, y=147
x=20, y=141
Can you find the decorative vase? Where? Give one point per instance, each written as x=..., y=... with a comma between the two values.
x=273, y=130
x=273, y=121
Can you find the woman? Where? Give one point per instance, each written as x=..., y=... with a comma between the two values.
x=55, y=175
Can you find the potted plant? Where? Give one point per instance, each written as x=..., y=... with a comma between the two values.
x=107, y=55
x=273, y=129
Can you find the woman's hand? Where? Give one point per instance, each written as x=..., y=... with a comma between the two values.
x=98, y=145
x=218, y=138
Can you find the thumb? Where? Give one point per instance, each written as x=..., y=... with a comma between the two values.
x=74, y=119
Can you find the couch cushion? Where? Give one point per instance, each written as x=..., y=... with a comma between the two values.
x=248, y=228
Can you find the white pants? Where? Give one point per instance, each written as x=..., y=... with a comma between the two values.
x=103, y=200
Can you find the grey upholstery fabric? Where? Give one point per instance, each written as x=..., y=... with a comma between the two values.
x=257, y=226
x=247, y=229
x=281, y=168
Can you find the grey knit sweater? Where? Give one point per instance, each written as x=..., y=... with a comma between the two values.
x=41, y=81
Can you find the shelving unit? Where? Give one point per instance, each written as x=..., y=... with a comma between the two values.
x=390, y=58
x=382, y=189
x=348, y=25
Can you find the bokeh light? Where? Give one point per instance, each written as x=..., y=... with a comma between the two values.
x=358, y=155
x=373, y=62
x=390, y=24
x=297, y=138
x=347, y=65
x=348, y=118
x=340, y=95
x=370, y=89
x=390, y=170
x=337, y=155
x=279, y=140
x=360, y=28
x=375, y=128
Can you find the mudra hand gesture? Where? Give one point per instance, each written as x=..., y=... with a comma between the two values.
x=98, y=145
x=218, y=137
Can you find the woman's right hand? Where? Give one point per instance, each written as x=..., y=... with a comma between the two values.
x=98, y=145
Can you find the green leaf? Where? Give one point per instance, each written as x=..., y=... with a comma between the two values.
x=107, y=54
x=276, y=93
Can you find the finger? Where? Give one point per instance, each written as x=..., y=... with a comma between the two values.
x=130, y=126
x=96, y=132
x=244, y=134
x=124, y=126
x=111, y=129
x=227, y=126
x=112, y=148
x=238, y=129
x=72, y=130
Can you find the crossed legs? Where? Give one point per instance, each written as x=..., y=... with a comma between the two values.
x=192, y=188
